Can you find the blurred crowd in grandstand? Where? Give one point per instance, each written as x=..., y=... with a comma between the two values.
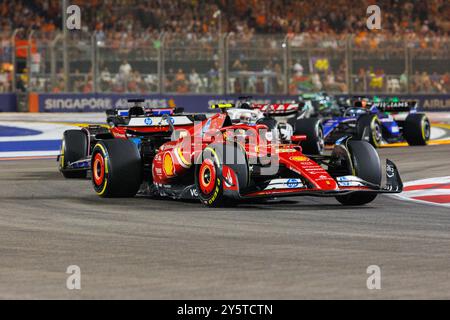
x=129, y=32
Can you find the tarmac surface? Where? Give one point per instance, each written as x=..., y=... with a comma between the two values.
x=162, y=249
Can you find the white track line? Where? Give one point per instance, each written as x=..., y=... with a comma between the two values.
x=49, y=131
x=438, y=133
x=19, y=154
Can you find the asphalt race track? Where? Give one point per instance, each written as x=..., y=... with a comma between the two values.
x=144, y=248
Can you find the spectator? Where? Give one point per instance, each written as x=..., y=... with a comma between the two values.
x=417, y=83
x=237, y=86
x=403, y=82
x=88, y=85
x=170, y=80
x=279, y=80
x=125, y=71
x=330, y=82
x=425, y=82
x=131, y=29
x=129, y=19
x=298, y=69
x=259, y=86
x=135, y=83
x=180, y=82
x=195, y=82
x=5, y=78
x=151, y=81
x=105, y=80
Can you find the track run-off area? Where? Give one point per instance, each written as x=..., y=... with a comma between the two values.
x=299, y=247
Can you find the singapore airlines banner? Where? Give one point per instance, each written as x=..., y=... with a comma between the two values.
x=101, y=102
x=98, y=102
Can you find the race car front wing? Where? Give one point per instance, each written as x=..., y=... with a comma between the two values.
x=346, y=185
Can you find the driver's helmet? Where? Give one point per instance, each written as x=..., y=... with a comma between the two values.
x=245, y=105
x=362, y=103
x=246, y=117
x=355, y=112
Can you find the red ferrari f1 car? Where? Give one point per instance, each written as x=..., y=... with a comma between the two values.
x=221, y=163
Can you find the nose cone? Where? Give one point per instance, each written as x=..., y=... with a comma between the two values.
x=309, y=169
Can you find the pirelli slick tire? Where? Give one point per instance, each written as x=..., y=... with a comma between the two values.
x=312, y=128
x=369, y=128
x=366, y=165
x=209, y=171
x=417, y=129
x=115, y=121
x=74, y=147
x=269, y=122
x=116, y=168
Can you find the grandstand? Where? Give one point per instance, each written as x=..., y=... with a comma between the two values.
x=226, y=47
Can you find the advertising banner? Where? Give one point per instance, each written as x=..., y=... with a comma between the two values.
x=191, y=103
x=101, y=102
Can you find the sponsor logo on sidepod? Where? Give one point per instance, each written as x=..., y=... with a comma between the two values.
x=292, y=183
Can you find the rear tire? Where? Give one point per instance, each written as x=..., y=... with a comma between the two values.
x=312, y=128
x=74, y=147
x=114, y=121
x=366, y=165
x=116, y=168
x=417, y=129
x=369, y=128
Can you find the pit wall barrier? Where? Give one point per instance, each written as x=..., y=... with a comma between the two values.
x=98, y=102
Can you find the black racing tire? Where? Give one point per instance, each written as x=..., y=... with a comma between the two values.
x=369, y=128
x=417, y=129
x=209, y=172
x=366, y=165
x=312, y=128
x=269, y=122
x=115, y=121
x=74, y=147
x=116, y=168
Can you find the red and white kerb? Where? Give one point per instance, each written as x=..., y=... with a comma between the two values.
x=434, y=191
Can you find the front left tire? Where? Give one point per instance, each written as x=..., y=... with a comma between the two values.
x=365, y=164
x=209, y=173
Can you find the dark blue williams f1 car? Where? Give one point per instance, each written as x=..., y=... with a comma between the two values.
x=379, y=122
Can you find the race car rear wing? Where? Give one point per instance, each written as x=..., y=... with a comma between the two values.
x=278, y=108
x=138, y=108
x=121, y=116
x=146, y=111
x=164, y=120
x=272, y=109
x=400, y=106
